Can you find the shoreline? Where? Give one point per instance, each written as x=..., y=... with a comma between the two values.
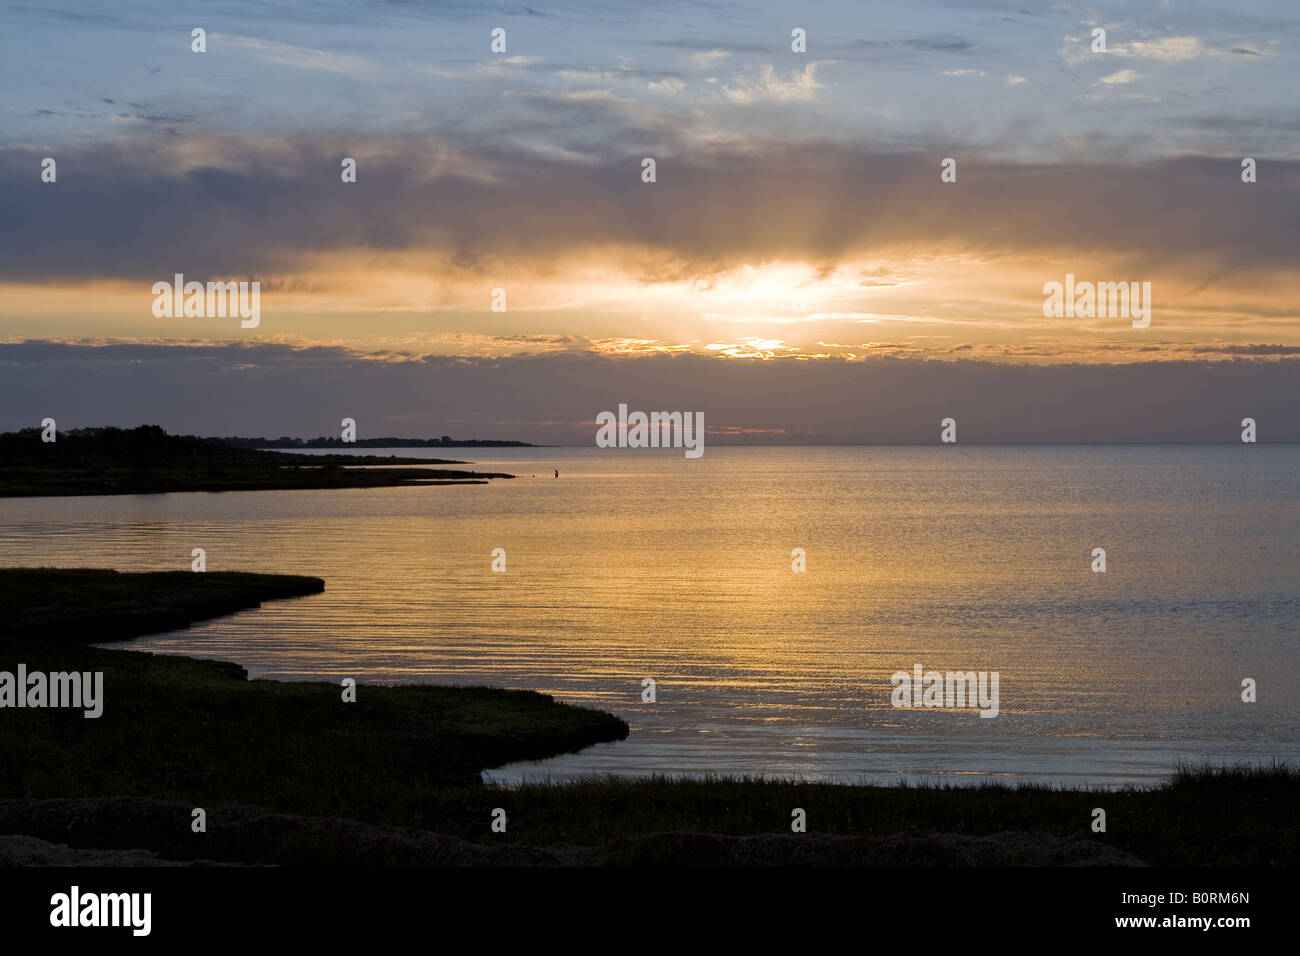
x=288, y=773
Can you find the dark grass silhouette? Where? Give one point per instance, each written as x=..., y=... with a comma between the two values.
x=177, y=728
x=146, y=460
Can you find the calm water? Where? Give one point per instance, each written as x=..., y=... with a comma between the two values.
x=636, y=564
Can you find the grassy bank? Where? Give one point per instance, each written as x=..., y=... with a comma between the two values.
x=199, y=731
x=1245, y=816
x=146, y=460
x=83, y=605
x=1232, y=817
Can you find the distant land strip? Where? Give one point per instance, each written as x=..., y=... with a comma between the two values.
x=147, y=460
x=444, y=442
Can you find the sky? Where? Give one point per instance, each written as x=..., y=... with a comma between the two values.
x=798, y=269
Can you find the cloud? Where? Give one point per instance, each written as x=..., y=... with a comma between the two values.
x=1178, y=49
x=298, y=57
x=274, y=208
x=800, y=86
x=670, y=84
x=704, y=59
x=753, y=347
x=940, y=44
x=1122, y=76
x=1077, y=50
x=506, y=64
x=279, y=389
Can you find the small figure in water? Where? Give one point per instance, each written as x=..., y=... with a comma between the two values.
x=557, y=473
